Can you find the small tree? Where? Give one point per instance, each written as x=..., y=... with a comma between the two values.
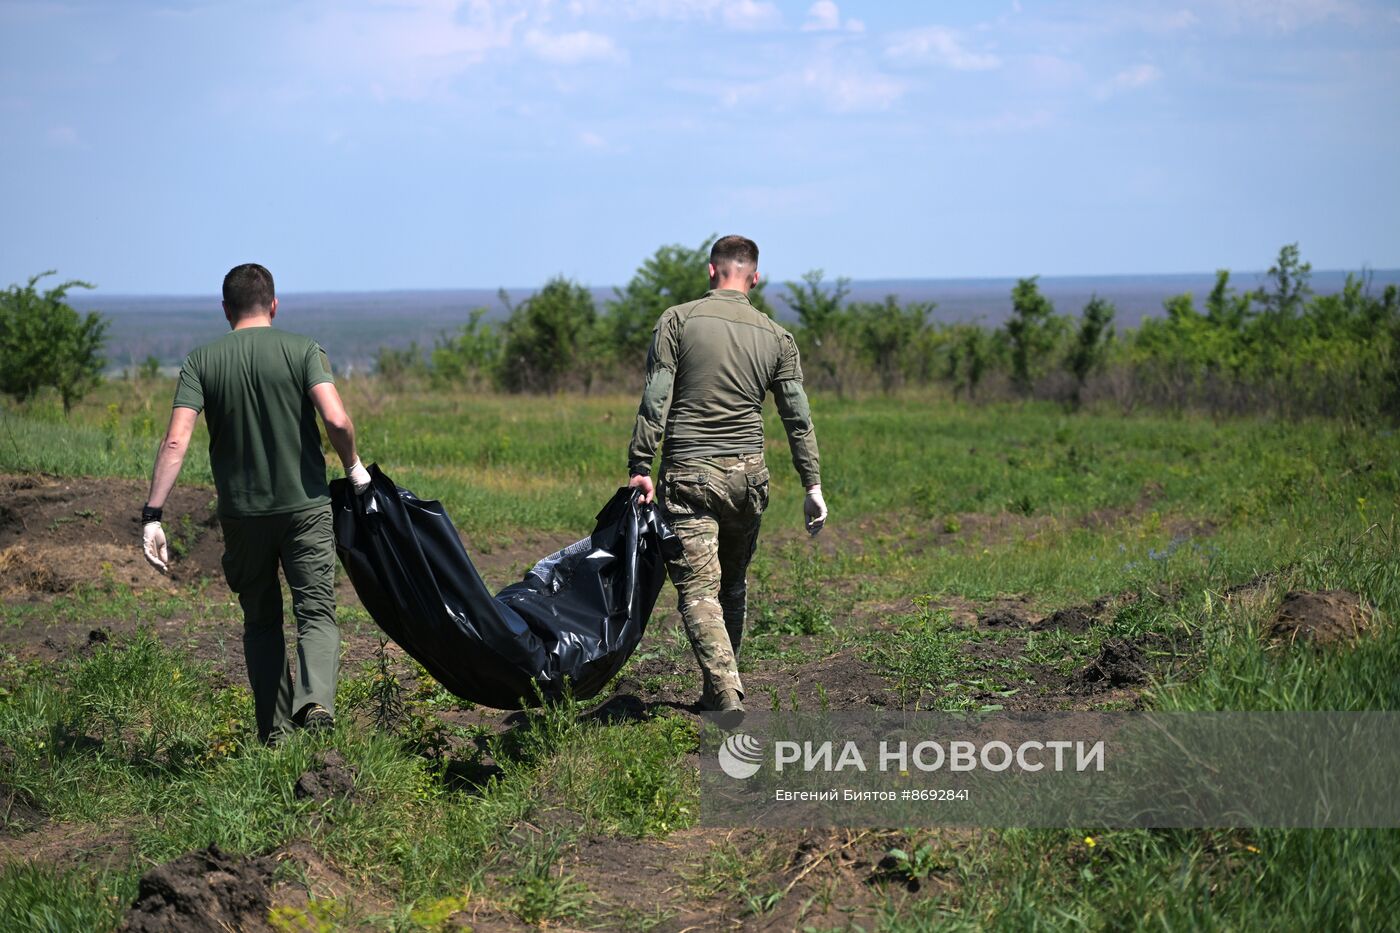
x=817, y=306
x=1090, y=343
x=470, y=355
x=396, y=364
x=1289, y=279
x=672, y=275
x=888, y=333
x=1031, y=332
x=44, y=343
x=821, y=319
x=547, y=337
x=968, y=357
x=1225, y=307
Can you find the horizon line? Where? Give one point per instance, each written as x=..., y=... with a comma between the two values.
x=1365, y=270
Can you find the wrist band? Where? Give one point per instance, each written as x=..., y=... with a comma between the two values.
x=149, y=515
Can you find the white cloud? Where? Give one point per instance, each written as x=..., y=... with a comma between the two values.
x=1129, y=79
x=590, y=140
x=940, y=46
x=822, y=16
x=571, y=48
x=849, y=91
x=406, y=49
x=825, y=16
x=417, y=48
x=836, y=85
x=746, y=15
x=750, y=14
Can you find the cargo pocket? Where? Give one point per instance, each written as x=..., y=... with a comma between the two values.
x=758, y=491
x=683, y=494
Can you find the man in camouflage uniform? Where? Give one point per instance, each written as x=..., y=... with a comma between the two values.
x=711, y=363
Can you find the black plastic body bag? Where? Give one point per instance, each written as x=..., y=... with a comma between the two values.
x=576, y=616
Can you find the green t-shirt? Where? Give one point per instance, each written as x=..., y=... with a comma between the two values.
x=253, y=386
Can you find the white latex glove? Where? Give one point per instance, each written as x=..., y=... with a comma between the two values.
x=153, y=546
x=359, y=477
x=814, y=509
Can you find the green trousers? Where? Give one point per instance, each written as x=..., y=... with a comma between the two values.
x=303, y=543
x=715, y=506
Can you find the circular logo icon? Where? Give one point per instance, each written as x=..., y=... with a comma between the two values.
x=741, y=756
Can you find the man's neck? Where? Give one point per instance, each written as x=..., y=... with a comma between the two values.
x=732, y=285
x=259, y=320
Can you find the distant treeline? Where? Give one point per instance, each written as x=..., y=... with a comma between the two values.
x=1278, y=348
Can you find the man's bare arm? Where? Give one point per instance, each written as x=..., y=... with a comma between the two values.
x=171, y=455
x=339, y=428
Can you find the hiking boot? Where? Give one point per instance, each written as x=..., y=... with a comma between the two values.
x=728, y=704
x=316, y=718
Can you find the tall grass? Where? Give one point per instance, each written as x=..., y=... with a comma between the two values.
x=504, y=465
x=139, y=741
x=928, y=499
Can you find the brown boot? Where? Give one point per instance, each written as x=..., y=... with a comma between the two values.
x=728, y=703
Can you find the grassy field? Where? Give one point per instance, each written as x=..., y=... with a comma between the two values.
x=1179, y=535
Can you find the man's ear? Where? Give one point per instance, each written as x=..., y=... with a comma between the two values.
x=754, y=283
x=272, y=310
x=228, y=315
x=714, y=273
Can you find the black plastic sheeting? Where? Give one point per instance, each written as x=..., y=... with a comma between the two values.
x=575, y=618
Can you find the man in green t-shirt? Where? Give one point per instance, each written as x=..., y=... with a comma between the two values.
x=261, y=389
x=712, y=362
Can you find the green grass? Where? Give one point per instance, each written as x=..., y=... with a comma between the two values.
x=138, y=740
x=505, y=463
x=932, y=503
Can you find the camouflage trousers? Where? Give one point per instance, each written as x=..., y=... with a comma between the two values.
x=715, y=506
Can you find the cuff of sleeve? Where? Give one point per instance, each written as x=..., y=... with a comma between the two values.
x=639, y=469
x=811, y=479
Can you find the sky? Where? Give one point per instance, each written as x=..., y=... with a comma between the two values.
x=149, y=145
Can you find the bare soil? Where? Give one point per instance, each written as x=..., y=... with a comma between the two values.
x=58, y=533
x=1320, y=618
x=204, y=891
x=329, y=777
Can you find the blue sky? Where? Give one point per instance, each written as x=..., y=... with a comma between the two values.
x=380, y=144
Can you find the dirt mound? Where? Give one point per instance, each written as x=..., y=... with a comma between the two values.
x=1075, y=619
x=843, y=680
x=1004, y=617
x=1320, y=618
x=56, y=532
x=203, y=891
x=1120, y=663
x=1079, y=619
x=331, y=776
x=22, y=572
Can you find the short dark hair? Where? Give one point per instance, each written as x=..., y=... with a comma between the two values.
x=247, y=287
x=734, y=249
